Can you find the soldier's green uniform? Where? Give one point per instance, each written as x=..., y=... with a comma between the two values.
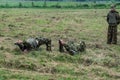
x=71, y=47
x=34, y=43
x=113, y=20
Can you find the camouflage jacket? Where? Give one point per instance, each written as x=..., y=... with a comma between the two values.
x=113, y=18
x=73, y=48
x=33, y=42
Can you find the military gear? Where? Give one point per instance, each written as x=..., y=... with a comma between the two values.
x=71, y=47
x=113, y=20
x=34, y=43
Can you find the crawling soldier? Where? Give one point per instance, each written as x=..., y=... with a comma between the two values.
x=34, y=43
x=71, y=48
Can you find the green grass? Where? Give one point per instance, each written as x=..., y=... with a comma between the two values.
x=99, y=61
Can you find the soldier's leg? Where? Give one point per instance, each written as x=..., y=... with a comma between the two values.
x=48, y=45
x=61, y=46
x=114, y=36
x=109, y=35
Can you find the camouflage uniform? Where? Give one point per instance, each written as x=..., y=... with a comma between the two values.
x=113, y=20
x=71, y=47
x=34, y=43
x=45, y=41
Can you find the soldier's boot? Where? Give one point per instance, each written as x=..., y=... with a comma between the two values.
x=61, y=46
x=49, y=45
x=82, y=46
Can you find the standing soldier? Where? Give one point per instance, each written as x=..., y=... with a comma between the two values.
x=113, y=20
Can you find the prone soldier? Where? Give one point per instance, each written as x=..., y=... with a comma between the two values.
x=34, y=43
x=71, y=48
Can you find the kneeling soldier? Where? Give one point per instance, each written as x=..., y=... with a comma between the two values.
x=34, y=43
x=71, y=48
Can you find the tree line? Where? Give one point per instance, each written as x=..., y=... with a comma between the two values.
x=68, y=0
x=57, y=4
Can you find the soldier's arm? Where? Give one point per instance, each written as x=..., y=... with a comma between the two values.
x=107, y=17
x=118, y=18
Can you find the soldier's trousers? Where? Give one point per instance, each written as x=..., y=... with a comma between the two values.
x=112, y=35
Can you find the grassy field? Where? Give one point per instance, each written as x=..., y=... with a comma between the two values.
x=99, y=62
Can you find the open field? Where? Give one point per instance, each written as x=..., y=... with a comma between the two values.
x=99, y=62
